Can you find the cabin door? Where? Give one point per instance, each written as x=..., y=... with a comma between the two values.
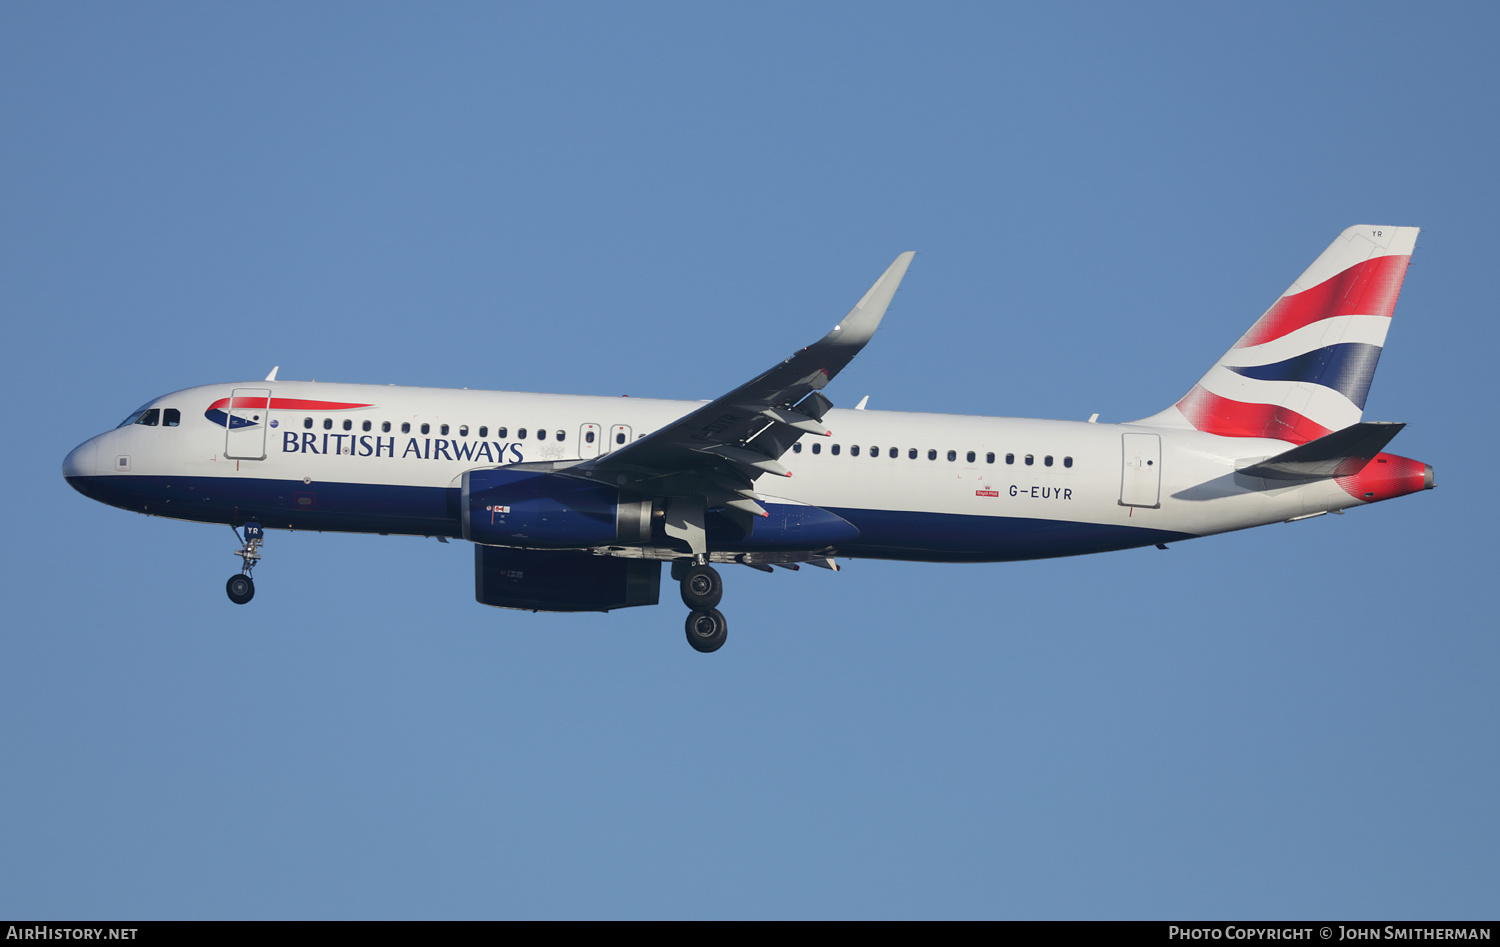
x=245, y=430
x=1140, y=477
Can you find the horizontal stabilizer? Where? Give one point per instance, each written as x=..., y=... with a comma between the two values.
x=1340, y=454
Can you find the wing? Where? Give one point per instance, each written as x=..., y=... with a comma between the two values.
x=715, y=454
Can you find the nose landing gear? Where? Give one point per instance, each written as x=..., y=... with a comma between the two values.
x=241, y=588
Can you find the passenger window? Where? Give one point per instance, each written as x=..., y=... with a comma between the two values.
x=1030, y=460
x=797, y=448
x=895, y=452
x=817, y=448
x=442, y=429
x=1010, y=458
x=484, y=430
x=990, y=457
x=150, y=418
x=853, y=450
x=971, y=457
x=874, y=452
x=620, y=438
x=365, y=426
x=500, y=432
x=307, y=423
x=588, y=438
x=931, y=454
x=463, y=430
x=834, y=450
x=1047, y=460
x=426, y=428
x=561, y=435
x=385, y=427
x=521, y=433
x=1067, y=461
x=170, y=417
x=405, y=427
x=952, y=455
x=328, y=424
x=912, y=454
x=348, y=424
x=541, y=434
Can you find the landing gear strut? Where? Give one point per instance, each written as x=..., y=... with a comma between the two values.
x=702, y=588
x=241, y=588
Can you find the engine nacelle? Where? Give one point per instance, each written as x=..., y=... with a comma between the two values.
x=563, y=580
x=541, y=510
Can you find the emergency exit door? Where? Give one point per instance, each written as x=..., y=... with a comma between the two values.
x=590, y=439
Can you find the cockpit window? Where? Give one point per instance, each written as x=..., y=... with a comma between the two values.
x=135, y=415
x=170, y=417
x=150, y=417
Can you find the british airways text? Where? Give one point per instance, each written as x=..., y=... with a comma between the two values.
x=425, y=448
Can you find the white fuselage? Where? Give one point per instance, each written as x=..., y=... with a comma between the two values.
x=371, y=458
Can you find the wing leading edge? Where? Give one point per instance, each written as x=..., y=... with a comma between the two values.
x=711, y=457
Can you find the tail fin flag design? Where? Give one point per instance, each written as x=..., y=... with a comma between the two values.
x=1303, y=370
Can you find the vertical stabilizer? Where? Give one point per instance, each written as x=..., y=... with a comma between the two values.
x=1304, y=368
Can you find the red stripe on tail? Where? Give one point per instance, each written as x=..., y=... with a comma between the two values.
x=1365, y=289
x=1212, y=414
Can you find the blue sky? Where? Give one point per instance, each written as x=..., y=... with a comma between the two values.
x=663, y=200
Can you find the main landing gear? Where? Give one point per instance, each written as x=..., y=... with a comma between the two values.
x=241, y=588
x=702, y=588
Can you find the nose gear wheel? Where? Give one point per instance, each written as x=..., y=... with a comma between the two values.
x=241, y=588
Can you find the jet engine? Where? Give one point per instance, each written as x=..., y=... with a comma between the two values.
x=542, y=510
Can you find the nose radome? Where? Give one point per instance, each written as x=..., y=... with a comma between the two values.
x=80, y=461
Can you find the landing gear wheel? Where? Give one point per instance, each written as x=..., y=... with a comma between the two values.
x=240, y=589
x=702, y=588
x=706, y=630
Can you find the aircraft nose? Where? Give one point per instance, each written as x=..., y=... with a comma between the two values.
x=81, y=460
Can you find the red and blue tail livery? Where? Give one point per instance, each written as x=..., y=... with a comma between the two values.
x=573, y=503
x=1304, y=369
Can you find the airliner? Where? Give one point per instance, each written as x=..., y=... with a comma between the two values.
x=572, y=503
